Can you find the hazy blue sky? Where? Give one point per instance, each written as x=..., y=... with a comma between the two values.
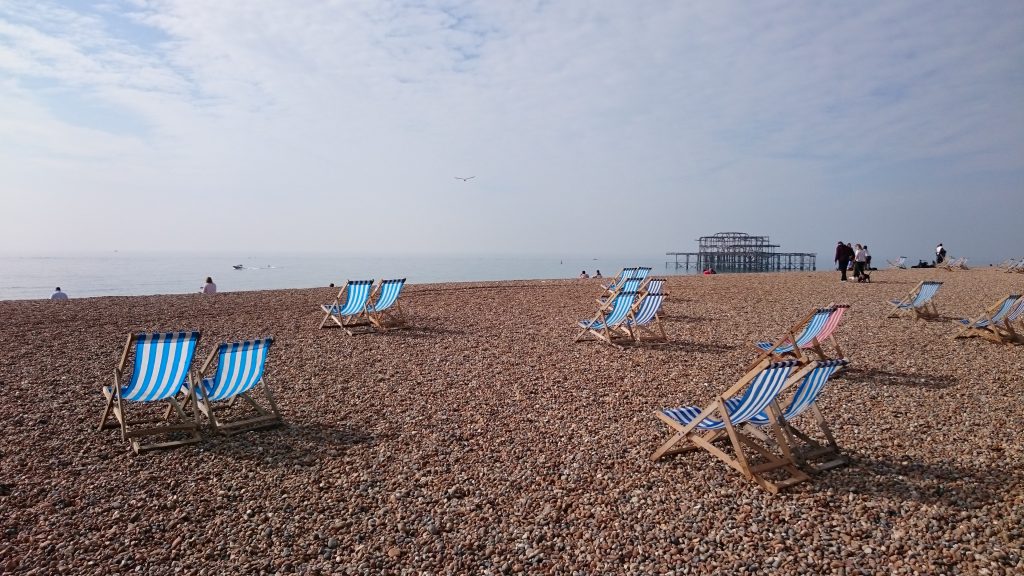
x=591, y=126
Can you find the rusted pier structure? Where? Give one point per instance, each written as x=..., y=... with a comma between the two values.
x=740, y=252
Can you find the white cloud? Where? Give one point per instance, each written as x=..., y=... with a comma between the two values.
x=565, y=112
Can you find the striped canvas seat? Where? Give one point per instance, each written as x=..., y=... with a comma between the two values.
x=349, y=308
x=654, y=286
x=385, y=312
x=806, y=393
x=630, y=285
x=605, y=321
x=762, y=391
x=726, y=416
x=161, y=364
x=995, y=323
x=918, y=302
x=625, y=274
x=644, y=318
x=239, y=369
x=900, y=262
x=810, y=331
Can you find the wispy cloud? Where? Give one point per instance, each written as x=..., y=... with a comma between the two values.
x=704, y=116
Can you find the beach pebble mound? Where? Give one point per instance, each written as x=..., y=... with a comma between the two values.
x=483, y=440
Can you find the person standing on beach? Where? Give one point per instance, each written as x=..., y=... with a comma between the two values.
x=209, y=287
x=58, y=295
x=867, y=263
x=940, y=253
x=860, y=257
x=843, y=255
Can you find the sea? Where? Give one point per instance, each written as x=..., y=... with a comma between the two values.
x=138, y=274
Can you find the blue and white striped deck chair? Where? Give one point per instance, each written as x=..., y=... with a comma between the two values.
x=629, y=285
x=605, y=324
x=159, y=369
x=653, y=286
x=349, y=308
x=642, y=273
x=240, y=368
x=622, y=276
x=1011, y=328
x=644, y=318
x=792, y=343
x=918, y=302
x=699, y=428
x=986, y=325
x=805, y=449
x=386, y=312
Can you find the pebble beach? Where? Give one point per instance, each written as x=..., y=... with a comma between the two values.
x=483, y=440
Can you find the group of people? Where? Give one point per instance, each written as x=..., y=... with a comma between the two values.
x=207, y=288
x=597, y=274
x=858, y=255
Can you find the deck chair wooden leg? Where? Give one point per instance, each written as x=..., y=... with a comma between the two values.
x=107, y=409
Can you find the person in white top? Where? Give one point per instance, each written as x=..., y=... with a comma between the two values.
x=209, y=287
x=58, y=295
x=860, y=257
x=940, y=253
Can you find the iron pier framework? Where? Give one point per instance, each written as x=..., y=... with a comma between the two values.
x=740, y=252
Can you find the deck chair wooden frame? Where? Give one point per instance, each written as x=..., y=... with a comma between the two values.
x=386, y=312
x=158, y=374
x=349, y=308
x=987, y=325
x=760, y=387
x=925, y=311
x=239, y=372
x=810, y=453
x=643, y=319
x=828, y=334
x=1011, y=328
x=899, y=263
x=605, y=325
x=788, y=344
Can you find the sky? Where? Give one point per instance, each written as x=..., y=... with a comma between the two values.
x=590, y=126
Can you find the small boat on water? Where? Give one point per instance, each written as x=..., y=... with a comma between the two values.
x=238, y=266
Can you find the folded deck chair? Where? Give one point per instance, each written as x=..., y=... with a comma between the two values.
x=349, y=308
x=918, y=302
x=957, y=264
x=604, y=326
x=643, y=318
x=239, y=370
x=900, y=262
x=1011, y=328
x=158, y=372
x=986, y=324
x=699, y=428
x=793, y=342
x=386, y=312
x=807, y=450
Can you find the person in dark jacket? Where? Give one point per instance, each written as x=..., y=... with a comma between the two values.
x=843, y=256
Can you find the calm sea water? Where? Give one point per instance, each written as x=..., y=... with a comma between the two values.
x=120, y=274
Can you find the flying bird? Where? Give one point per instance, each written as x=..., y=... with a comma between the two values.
x=464, y=179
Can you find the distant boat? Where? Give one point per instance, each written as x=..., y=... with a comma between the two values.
x=238, y=266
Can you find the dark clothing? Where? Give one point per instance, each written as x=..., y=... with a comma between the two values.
x=843, y=265
x=843, y=256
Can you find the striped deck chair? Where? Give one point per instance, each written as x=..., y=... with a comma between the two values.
x=240, y=368
x=629, y=285
x=918, y=302
x=604, y=326
x=624, y=274
x=801, y=335
x=653, y=286
x=985, y=325
x=644, y=318
x=827, y=333
x=900, y=263
x=806, y=450
x=1011, y=329
x=349, y=308
x=159, y=369
x=699, y=428
x=386, y=312
x=957, y=264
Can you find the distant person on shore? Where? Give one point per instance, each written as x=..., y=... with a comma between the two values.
x=209, y=287
x=843, y=256
x=584, y=274
x=860, y=259
x=709, y=271
x=58, y=295
x=598, y=274
x=940, y=253
x=867, y=265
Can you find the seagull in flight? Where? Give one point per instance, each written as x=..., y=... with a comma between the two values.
x=464, y=179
